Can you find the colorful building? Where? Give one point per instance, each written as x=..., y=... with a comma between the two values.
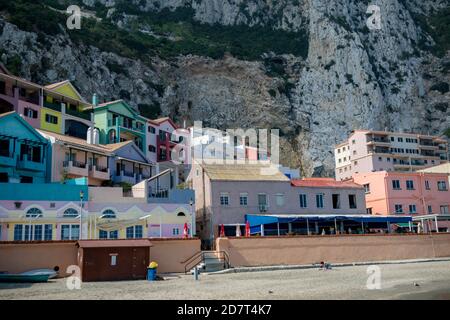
x=370, y=151
x=24, y=153
x=118, y=122
x=107, y=164
x=57, y=108
x=56, y=211
x=225, y=194
x=400, y=194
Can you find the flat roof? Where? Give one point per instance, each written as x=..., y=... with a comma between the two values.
x=114, y=243
x=324, y=183
x=244, y=172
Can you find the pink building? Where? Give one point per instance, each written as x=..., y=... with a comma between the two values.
x=401, y=193
x=370, y=151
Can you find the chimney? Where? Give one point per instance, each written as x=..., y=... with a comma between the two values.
x=94, y=100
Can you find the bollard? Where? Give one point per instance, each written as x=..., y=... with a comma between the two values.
x=196, y=274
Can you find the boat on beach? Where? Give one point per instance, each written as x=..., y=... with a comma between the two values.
x=32, y=276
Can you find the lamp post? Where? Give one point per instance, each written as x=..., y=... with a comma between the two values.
x=81, y=214
x=191, y=203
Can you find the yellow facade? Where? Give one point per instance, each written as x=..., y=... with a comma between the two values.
x=68, y=90
x=47, y=124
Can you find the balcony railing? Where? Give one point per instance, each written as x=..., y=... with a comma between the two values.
x=159, y=193
x=101, y=168
x=75, y=164
x=128, y=174
x=78, y=114
x=53, y=106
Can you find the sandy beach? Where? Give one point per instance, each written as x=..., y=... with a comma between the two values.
x=397, y=282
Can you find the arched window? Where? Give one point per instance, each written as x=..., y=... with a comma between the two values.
x=109, y=214
x=34, y=213
x=70, y=213
x=112, y=136
x=181, y=214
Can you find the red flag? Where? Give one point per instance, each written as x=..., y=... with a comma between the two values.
x=222, y=231
x=247, y=229
x=185, y=232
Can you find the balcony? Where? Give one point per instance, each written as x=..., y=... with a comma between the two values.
x=99, y=172
x=7, y=159
x=182, y=196
x=25, y=164
x=53, y=106
x=76, y=168
x=78, y=114
x=125, y=177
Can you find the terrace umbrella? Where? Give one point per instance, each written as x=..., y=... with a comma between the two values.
x=222, y=231
x=247, y=229
x=185, y=231
x=238, y=231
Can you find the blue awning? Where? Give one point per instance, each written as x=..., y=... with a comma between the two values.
x=257, y=220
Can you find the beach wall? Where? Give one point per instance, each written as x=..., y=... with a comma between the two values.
x=171, y=254
x=17, y=257
x=260, y=251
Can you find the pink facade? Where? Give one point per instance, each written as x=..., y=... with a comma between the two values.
x=372, y=151
x=414, y=193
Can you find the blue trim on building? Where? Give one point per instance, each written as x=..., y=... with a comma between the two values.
x=42, y=192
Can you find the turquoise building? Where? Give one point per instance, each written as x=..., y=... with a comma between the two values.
x=24, y=153
x=118, y=122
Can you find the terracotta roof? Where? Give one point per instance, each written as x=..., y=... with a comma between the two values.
x=324, y=183
x=108, y=103
x=161, y=120
x=114, y=243
x=55, y=85
x=79, y=142
x=117, y=146
x=6, y=114
x=243, y=172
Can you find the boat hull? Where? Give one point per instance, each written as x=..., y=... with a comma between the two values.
x=20, y=278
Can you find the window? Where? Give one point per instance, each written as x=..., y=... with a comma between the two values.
x=303, y=202
x=338, y=150
x=175, y=231
x=398, y=208
x=224, y=199
x=151, y=148
x=30, y=113
x=352, y=201
x=279, y=199
x=336, y=201
x=427, y=184
x=392, y=138
x=108, y=235
x=380, y=159
x=400, y=139
x=151, y=129
x=51, y=119
x=367, y=188
x=369, y=210
x=319, y=200
x=243, y=199
x=444, y=209
x=396, y=184
x=134, y=232
x=410, y=184
x=18, y=232
x=430, y=209
x=70, y=213
x=109, y=214
x=442, y=186
x=412, y=208
x=70, y=232
x=34, y=213
x=48, y=232
x=262, y=202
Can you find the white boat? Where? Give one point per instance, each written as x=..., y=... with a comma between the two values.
x=41, y=272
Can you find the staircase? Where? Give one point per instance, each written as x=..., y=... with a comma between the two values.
x=207, y=261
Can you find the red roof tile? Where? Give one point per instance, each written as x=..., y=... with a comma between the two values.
x=324, y=183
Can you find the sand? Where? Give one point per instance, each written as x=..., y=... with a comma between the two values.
x=397, y=282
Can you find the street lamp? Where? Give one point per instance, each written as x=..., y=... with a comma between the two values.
x=191, y=203
x=81, y=214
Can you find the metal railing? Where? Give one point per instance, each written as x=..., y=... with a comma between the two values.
x=202, y=257
x=76, y=164
x=159, y=193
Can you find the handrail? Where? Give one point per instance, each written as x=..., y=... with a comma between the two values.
x=199, y=257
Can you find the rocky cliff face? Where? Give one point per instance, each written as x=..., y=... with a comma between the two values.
x=349, y=77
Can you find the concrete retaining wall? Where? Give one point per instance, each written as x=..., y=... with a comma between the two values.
x=264, y=251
